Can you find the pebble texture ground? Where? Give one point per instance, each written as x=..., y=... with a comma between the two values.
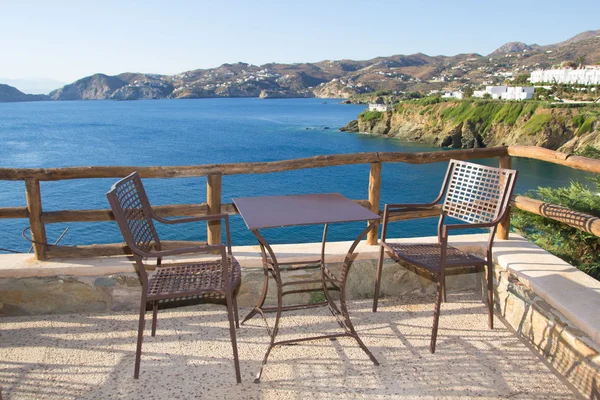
x=92, y=356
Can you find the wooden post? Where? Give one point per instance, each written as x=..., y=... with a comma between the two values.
x=374, y=198
x=504, y=226
x=36, y=223
x=213, y=199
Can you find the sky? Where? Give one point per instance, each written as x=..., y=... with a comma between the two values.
x=68, y=40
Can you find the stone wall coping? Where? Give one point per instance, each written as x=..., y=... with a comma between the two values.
x=570, y=291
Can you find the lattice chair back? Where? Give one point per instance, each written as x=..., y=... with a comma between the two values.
x=131, y=208
x=477, y=193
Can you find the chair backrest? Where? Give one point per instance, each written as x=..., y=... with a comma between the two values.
x=132, y=212
x=477, y=193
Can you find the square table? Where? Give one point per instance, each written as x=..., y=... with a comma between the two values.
x=308, y=209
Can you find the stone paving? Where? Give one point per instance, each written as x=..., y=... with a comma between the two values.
x=92, y=356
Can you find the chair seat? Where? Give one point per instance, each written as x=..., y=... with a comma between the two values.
x=428, y=256
x=188, y=279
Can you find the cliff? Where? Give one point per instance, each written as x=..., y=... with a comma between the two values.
x=12, y=94
x=469, y=124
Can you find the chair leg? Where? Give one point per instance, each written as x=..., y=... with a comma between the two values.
x=490, y=295
x=138, y=351
x=235, y=311
x=436, y=315
x=444, y=290
x=378, y=278
x=154, y=316
x=230, y=316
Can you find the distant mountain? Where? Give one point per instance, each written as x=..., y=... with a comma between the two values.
x=512, y=47
x=339, y=78
x=95, y=87
x=33, y=85
x=12, y=94
x=577, y=38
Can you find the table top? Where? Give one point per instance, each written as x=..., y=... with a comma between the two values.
x=304, y=209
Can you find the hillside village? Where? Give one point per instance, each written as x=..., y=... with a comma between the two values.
x=398, y=75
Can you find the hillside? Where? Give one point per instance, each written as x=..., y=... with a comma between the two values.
x=486, y=123
x=340, y=78
x=12, y=94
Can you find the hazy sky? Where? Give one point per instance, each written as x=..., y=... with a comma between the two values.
x=67, y=40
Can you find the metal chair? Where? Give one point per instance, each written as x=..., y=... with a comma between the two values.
x=474, y=194
x=187, y=280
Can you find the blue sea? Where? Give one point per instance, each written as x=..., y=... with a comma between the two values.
x=207, y=131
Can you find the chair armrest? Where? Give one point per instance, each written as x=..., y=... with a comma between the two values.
x=450, y=227
x=213, y=217
x=182, y=250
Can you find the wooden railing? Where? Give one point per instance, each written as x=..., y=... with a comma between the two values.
x=38, y=217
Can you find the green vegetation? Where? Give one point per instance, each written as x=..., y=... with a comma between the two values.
x=521, y=80
x=584, y=122
x=484, y=113
x=589, y=152
x=370, y=115
x=577, y=247
x=509, y=113
x=536, y=123
x=531, y=117
x=427, y=101
x=318, y=296
x=586, y=126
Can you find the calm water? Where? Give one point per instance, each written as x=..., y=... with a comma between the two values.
x=188, y=132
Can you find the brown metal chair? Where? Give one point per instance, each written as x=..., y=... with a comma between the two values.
x=211, y=278
x=475, y=194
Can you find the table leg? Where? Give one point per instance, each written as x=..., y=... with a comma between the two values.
x=332, y=307
x=264, y=247
x=345, y=269
x=263, y=295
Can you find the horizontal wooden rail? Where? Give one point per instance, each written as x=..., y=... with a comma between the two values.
x=116, y=249
x=173, y=210
x=14, y=212
x=56, y=174
x=568, y=160
x=579, y=220
x=112, y=249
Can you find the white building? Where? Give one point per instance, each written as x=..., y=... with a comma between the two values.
x=379, y=107
x=455, y=95
x=507, y=92
x=518, y=93
x=588, y=75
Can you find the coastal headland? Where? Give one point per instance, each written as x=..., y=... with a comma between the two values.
x=485, y=123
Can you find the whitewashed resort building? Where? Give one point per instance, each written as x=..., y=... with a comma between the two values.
x=588, y=75
x=506, y=92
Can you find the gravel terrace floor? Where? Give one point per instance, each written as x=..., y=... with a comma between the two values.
x=92, y=356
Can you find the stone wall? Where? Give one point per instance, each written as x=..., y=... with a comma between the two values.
x=62, y=294
x=571, y=351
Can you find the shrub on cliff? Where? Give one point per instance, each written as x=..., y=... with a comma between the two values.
x=577, y=247
x=370, y=115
